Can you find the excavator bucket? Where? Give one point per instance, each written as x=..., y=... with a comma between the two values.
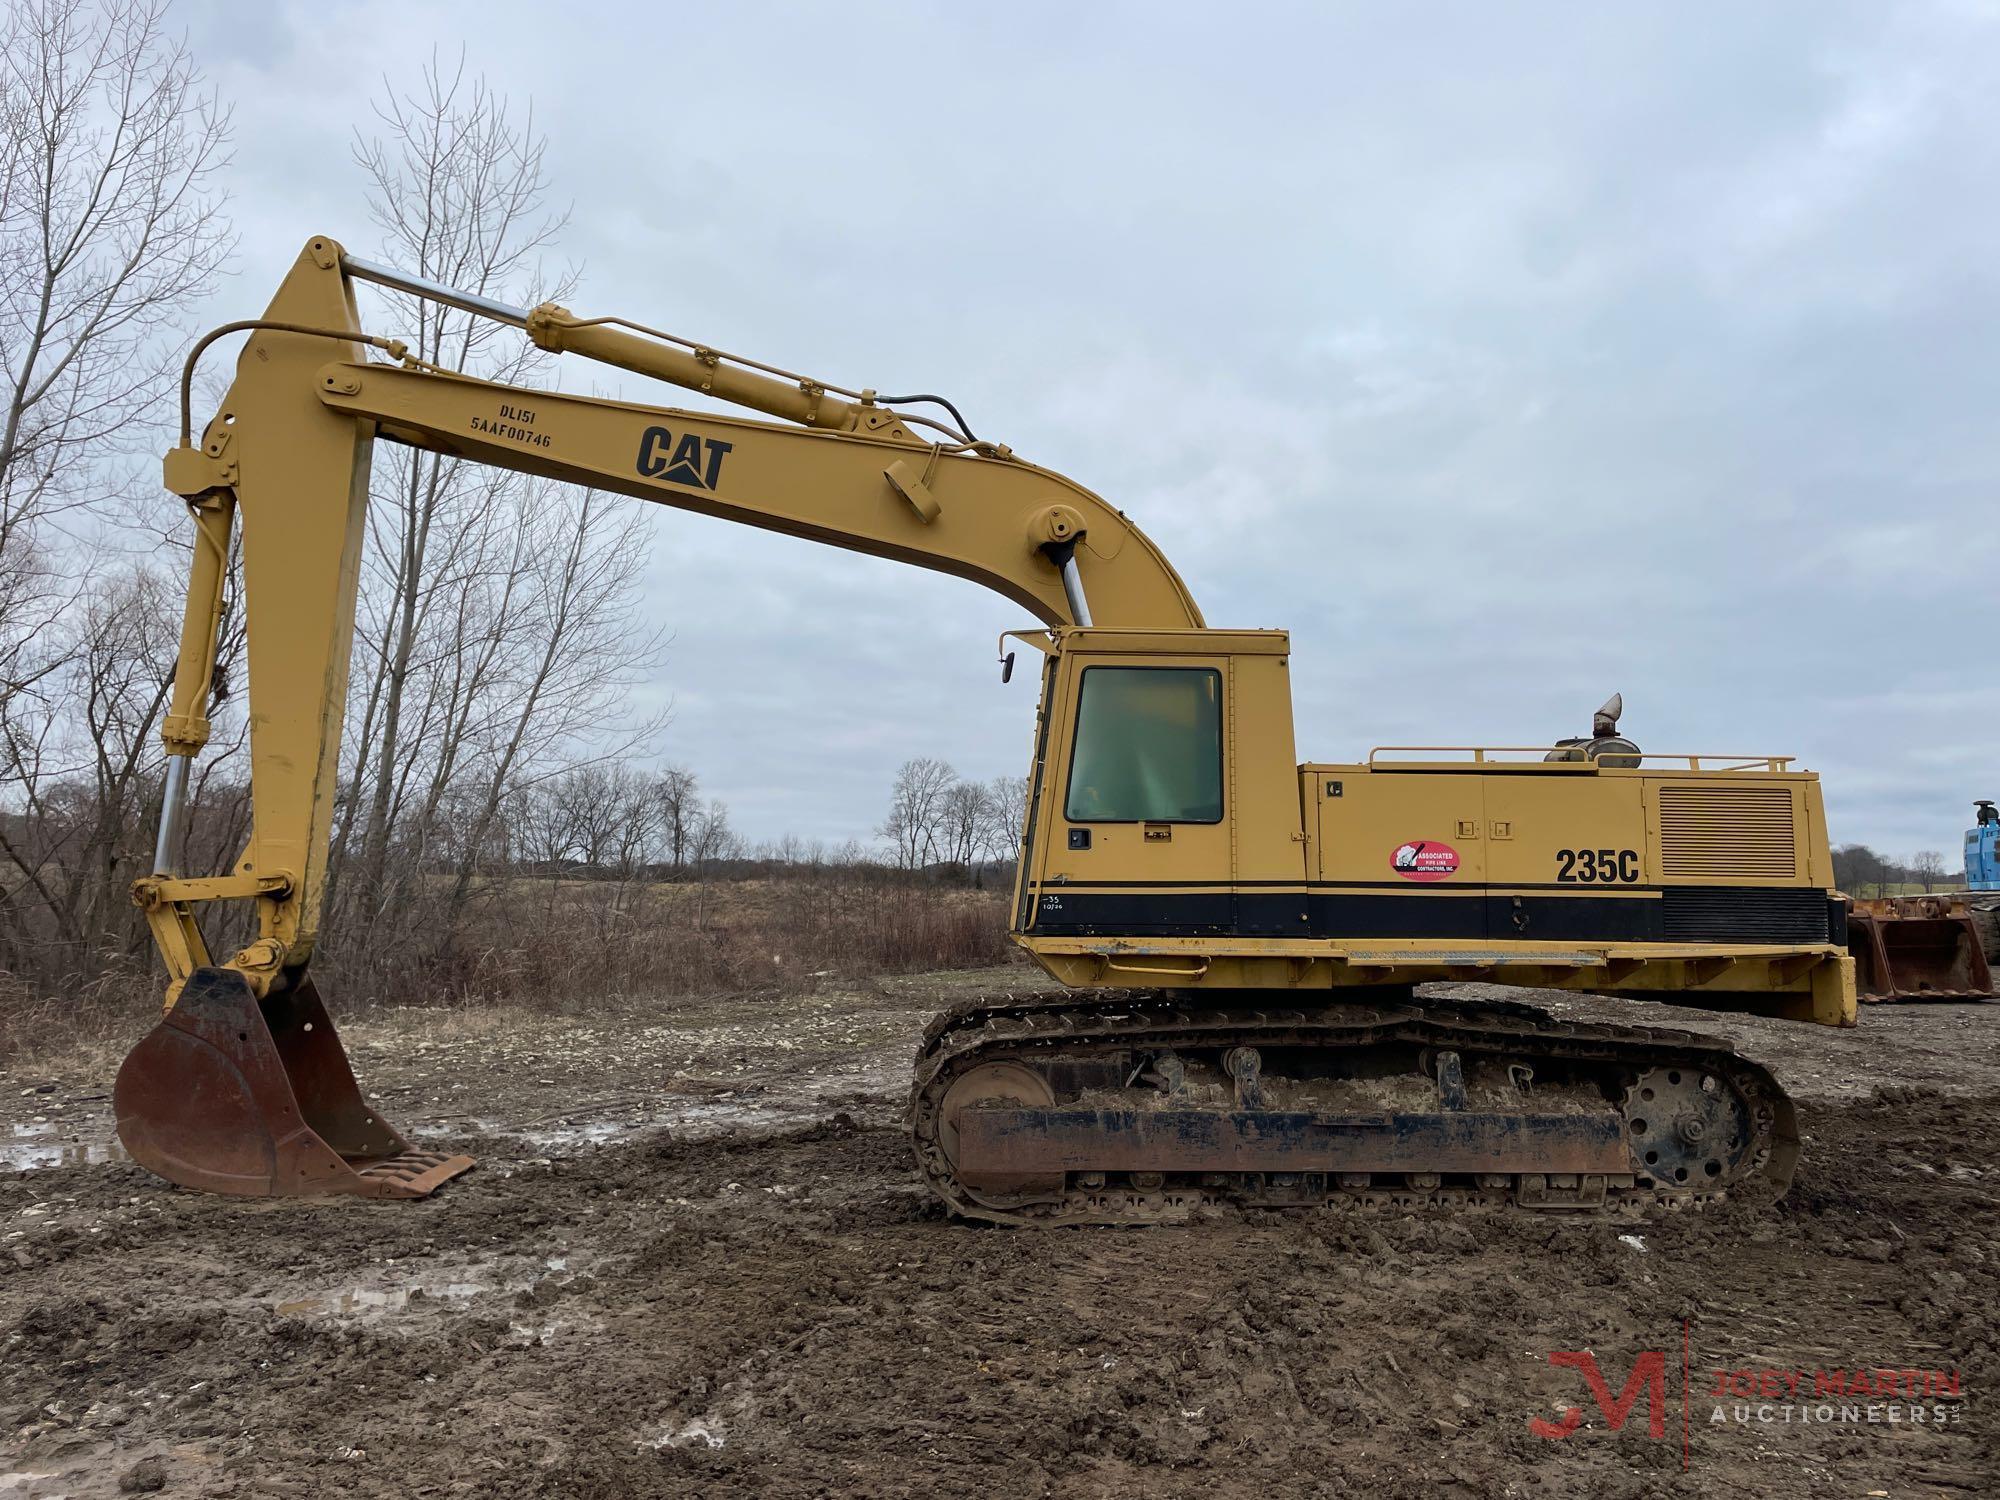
x=1918, y=948
x=229, y=1094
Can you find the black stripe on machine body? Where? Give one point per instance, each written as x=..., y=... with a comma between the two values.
x=1572, y=918
x=1676, y=914
x=1431, y=888
x=1090, y=883
x=1412, y=887
x=1061, y=911
x=1673, y=914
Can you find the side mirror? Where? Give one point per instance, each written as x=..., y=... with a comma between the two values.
x=1007, y=667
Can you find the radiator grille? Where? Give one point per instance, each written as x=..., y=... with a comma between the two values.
x=1740, y=914
x=1727, y=831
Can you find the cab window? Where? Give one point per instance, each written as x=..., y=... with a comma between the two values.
x=1148, y=746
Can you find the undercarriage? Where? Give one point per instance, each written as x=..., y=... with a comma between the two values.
x=1151, y=1106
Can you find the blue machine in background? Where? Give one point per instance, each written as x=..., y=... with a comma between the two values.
x=1982, y=850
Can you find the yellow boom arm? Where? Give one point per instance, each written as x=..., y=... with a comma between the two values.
x=287, y=459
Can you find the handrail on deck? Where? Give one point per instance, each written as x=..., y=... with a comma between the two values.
x=1485, y=754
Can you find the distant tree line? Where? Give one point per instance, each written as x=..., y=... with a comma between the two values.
x=937, y=820
x=1861, y=871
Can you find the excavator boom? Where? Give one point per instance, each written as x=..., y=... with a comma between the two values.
x=286, y=462
x=1177, y=859
x=244, y=1087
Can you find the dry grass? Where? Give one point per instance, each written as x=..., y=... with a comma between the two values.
x=559, y=945
x=567, y=947
x=103, y=1014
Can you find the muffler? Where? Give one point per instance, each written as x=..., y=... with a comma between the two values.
x=230, y=1094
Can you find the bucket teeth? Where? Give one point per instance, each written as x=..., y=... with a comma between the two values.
x=232, y=1095
x=414, y=1174
x=1918, y=948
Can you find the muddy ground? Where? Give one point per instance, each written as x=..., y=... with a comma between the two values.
x=694, y=1262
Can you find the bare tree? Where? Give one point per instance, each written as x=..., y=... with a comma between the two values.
x=457, y=189
x=677, y=791
x=1927, y=866
x=539, y=819
x=1006, y=816
x=604, y=819
x=635, y=840
x=83, y=777
x=611, y=815
x=714, y=840
x=579, y=646
x=964, y=811
x=793, y=853
x=499, y=627
x=915, y=824
x=110, y=231
x=588, y=799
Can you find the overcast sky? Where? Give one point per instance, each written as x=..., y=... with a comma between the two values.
x=1506, y=355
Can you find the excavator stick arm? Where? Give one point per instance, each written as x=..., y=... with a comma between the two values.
x=244, y=1087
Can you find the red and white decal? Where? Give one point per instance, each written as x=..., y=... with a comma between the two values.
x=1425, y=859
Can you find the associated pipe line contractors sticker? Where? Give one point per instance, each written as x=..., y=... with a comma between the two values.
x=1424, y=859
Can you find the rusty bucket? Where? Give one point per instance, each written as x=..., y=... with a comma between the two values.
x=230, y=1094
x=1917, y=948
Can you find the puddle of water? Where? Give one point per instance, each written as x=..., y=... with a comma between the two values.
x=364, y=1301
x=695, y=1432
x=449, y=1288
x=28, y=1148
x=565, y=1140
x=554, y=1137
x=588, y=1133
x=802, y=1100
x=781, y=1113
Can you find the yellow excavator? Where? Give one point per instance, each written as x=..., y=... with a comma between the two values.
x=1239, y=934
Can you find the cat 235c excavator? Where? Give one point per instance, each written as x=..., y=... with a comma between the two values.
x=1239, y=934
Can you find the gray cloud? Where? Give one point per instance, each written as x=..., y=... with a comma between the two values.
x=1506, y=355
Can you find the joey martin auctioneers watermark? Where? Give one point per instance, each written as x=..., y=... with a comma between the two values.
x=1682, y=1399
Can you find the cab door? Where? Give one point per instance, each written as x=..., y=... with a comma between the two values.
x=1134, y=825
